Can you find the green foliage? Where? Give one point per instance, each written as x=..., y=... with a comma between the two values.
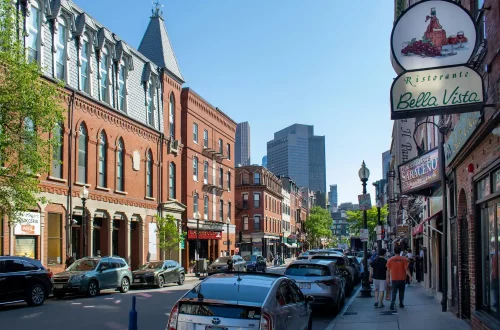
x=29, y=111
x=168, y=234
x=318, y=225
x=355, y=220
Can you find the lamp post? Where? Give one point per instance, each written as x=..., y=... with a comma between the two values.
x=228, y=222
x=197, y=249
x=84, y=195
x=364, y=174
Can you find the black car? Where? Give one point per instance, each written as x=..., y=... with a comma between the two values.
x=255, y=263
x=158, y=273
x=24, y=279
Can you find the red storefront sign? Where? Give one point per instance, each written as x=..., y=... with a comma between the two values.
x=204, y=234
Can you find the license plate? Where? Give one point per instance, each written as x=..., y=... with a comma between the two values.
x=137, y=280
x=304, y=285
x=58, y=286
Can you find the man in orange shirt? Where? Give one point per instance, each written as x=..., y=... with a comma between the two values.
x=397, y=267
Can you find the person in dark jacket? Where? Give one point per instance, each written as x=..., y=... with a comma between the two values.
x=230, y=264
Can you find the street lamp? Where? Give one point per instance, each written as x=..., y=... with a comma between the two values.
x=364, y=174
x=84, y=195
x=197, y=249
x=228, y=222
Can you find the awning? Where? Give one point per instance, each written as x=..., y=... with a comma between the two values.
x=419, y=229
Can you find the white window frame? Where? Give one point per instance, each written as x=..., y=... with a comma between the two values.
x=122, y=68
x=85, y=88
x=245, y=223
x=171, y=115
x=228, y=178
x=61, y=48
x=206, y=207
x=104, y=52
x=32, y=29
x=195, y=168
x=195, y=133
x=228, y=151
x=205, y=138
x=205, y=172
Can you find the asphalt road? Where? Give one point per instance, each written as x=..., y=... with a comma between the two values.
x=107, y=311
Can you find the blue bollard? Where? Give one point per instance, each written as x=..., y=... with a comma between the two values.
x=132, y=316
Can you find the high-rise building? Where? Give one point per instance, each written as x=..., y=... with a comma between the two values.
x=386, y=160
x=242, y=152
x=333, y=197
x=264, y=161
x=299, y=154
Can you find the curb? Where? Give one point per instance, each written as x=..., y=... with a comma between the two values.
x=344, y=309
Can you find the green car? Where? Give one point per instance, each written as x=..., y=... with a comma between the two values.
x=92, y=274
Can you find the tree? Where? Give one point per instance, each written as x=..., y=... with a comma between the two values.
x=29, y=113
x=355, y=221
x=168, y=234
x=318, y=225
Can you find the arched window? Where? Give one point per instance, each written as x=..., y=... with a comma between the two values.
x=82, y=154
x=149, y=174
x=205, y=207
x=103, y=147
x=195, y=168
x=120, y=160
x=84, y=66
x=60, y=56
x=172, y=180
x=57, y=151
x=171, y=115
x=195, y=202
x=33, y=29
x=104, y=72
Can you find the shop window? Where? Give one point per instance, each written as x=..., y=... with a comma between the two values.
x=25, y=246
x=54, y=240
x=496, y=180
x=483, y=188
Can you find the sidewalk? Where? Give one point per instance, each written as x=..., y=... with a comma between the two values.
x=422, y=311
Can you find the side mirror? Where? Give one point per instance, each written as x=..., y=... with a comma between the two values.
x=309, y=299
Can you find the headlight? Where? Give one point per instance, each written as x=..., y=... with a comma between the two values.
x=76, y=278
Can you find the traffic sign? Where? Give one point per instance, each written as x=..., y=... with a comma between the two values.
x=363, y=234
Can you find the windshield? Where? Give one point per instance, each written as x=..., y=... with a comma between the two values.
x=307, y=270
x=83, y=265
x=222, y=260
x=250, y=258
x=152, y=265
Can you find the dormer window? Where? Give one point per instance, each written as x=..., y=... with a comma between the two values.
x=33, y=31
x=60, y=57
x=84, y=65
x=104, y=73
x=122, y=102
x=150, y=101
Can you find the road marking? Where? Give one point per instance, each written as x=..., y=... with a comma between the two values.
x=118, y=301
x=76, y=303
x=30, y=316
x=109, y=298
x=88, y=306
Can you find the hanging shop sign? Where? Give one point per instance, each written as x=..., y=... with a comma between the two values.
x=204, y=234
x=28, y=223
x=420, y=173
x=453, y=89
x=462, y=131
x=433, y=33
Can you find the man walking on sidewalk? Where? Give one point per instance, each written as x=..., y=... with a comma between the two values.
x=397, y=267
x=378, y=274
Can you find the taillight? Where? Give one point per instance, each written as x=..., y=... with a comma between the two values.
x=266, y=322
x=172, y=319
x=50, y=274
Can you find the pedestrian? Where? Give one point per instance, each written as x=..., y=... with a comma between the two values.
x=230, y=264
x=411, y=265
x=378, y=275
x=397, y=267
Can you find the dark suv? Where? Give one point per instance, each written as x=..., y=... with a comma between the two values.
x=24, y=279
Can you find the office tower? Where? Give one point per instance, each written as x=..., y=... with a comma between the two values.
x=264, y=161
x=386, y=160
x=333, y=196
x=242, y=152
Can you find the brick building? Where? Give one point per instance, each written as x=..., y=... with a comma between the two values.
x=115, y=140
x=258, y=210
x=208, y=136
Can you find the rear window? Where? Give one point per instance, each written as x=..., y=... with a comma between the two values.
x=307, y=270
x=224, y=311
x=329, y=258
x=217, y=291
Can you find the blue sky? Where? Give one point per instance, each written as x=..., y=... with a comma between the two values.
x=278, y=62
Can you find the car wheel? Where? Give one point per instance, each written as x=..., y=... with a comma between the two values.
x=161, y=282
x=125, y=285
x=58, y=294
x=182, y=277
x=93, y=289
x=36, y=295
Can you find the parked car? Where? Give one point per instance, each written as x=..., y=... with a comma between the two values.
x=342, y=264
x=220, y=265
x=93, y=274
x=353, y=262
x=24, y=279
x=243, y=301
x=320, y=279
x=158, y=273
x=255, y=263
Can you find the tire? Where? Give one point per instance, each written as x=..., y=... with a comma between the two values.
x=58, y=294
x=182, y=277
x=92, y=289
x=161, y=282
x=36, y=295
x=125, y=285
x=336, y=306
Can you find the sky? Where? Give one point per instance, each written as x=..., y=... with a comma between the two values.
x=274, y=63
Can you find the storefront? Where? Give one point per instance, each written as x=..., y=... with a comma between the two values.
x=27, y=235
